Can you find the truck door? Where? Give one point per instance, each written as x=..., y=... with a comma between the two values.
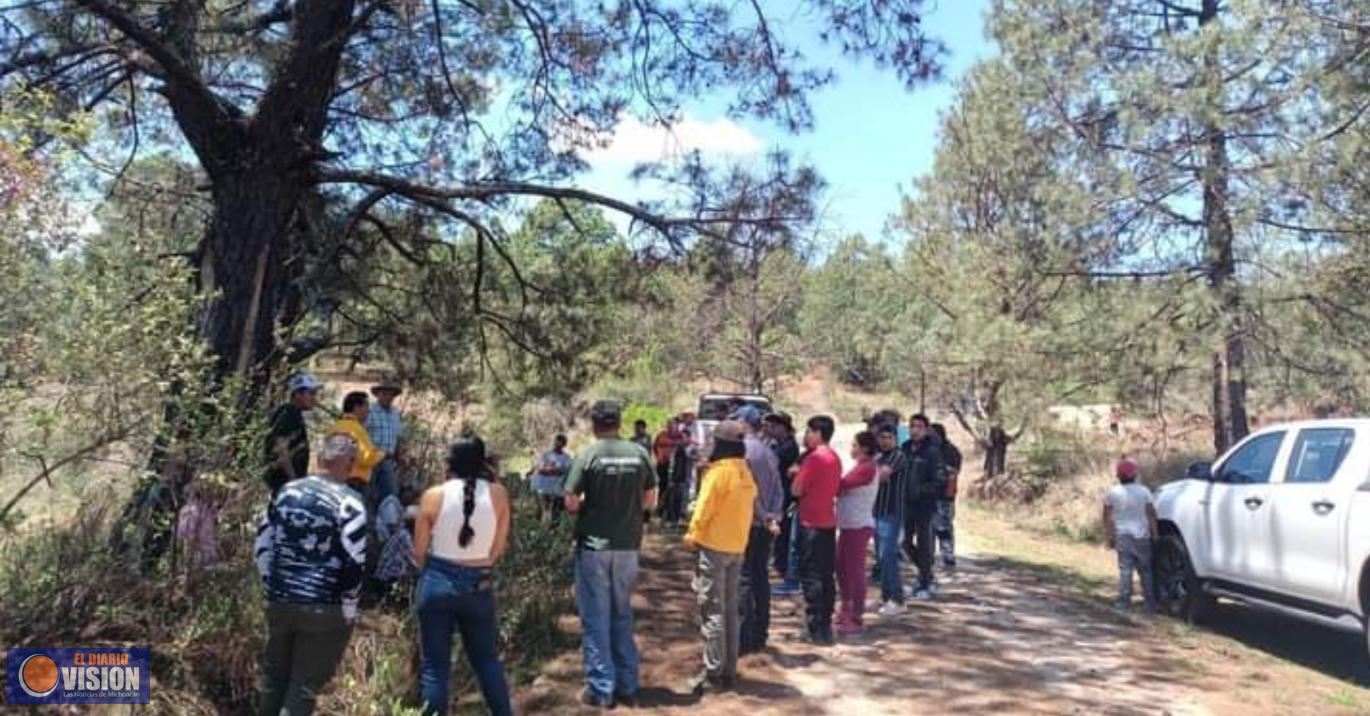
x=1309, y=510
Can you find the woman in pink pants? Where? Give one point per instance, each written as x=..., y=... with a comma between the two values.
x=855, y=504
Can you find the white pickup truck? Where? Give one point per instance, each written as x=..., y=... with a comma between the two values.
x=1280, y=522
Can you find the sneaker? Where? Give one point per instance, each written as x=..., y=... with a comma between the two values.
x=949, y=563
x=891, y=609
x=596, y=701
x=922, y=594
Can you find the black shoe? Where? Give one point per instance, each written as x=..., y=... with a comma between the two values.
x=596, y=701
x=703, y=685
x=814, y=639
x=627, y=701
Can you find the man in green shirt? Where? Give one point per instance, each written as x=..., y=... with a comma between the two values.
x=610, y=484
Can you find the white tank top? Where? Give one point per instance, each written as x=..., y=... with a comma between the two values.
x=447, y=528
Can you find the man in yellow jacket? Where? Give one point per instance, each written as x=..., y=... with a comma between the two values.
x=718, y=531
x=353, y=423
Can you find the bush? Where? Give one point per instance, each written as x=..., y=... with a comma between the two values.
x=1060, y=478
x=64, y=585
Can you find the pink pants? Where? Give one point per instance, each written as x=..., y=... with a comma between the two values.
x=851, y=574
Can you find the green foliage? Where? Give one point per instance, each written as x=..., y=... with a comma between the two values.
x=728, y=316
x=855, y=304
x=655, y=415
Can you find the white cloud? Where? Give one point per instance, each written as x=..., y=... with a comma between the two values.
x=635, y=141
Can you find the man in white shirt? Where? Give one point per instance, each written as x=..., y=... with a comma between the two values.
x=1130, y=521
x=548, y=476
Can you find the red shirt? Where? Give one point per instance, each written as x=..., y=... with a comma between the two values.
x=819, y=476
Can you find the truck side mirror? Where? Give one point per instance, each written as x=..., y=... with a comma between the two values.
x=1199, y=471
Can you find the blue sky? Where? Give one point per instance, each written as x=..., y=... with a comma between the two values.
x=871, y=137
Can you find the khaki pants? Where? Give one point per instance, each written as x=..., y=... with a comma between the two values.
x=716, y=586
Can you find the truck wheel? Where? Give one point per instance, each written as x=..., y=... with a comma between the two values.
x=1178, y=589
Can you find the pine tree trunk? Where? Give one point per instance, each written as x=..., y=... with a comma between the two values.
x=996, y=454
x=246, y=252
x=1229, y=360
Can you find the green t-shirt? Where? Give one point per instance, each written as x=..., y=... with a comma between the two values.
x=611, y=477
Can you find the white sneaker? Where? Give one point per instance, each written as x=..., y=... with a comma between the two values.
x=922, y=595
x=891, y=609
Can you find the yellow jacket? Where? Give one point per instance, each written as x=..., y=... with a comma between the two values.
x=722, y=518
x=367, y=454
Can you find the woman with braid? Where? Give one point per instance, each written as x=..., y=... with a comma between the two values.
x=461, y=532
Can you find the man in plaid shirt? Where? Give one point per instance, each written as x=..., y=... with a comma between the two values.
x=385, y=426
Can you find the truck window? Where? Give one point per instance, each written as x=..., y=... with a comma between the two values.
x=1253, y=462
x=721, y=408
x=1318, y=454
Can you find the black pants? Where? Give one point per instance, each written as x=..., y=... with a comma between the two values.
x=674, y=501
x=919, y=540
x=781, y=549
x=755, y=594
x=817, y=560
x=304, y=645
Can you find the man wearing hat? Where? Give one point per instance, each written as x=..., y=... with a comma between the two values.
x=719, y=531
x=385, y=426
x=287, y=445
x=610, y=484
x=764, y=466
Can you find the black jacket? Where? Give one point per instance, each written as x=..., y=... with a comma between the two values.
x=923, y=474
x=787, y=453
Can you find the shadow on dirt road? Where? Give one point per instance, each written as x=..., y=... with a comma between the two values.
x=1337, y=654
x=1000, y=638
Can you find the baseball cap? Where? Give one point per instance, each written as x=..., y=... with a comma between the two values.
x=302, y=381
x=605, y=410
x=730, y=431
x=747, y=414
x=1127, y=468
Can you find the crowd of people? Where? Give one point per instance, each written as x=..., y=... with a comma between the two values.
x=763, y=502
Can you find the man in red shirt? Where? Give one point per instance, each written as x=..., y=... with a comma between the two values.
x=815, y=489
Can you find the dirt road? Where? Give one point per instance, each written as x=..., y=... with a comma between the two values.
x=1023, y=626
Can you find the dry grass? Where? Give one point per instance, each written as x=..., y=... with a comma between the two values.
x=1071, y=470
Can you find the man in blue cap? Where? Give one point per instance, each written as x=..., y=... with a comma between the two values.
x=287, y=445
x=755, y=592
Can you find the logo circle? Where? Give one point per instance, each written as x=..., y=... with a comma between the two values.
x=38, y=675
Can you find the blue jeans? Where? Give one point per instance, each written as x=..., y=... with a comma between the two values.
x=887, y=554
x=384, y=481
x=450, y=598
x=605, y=582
